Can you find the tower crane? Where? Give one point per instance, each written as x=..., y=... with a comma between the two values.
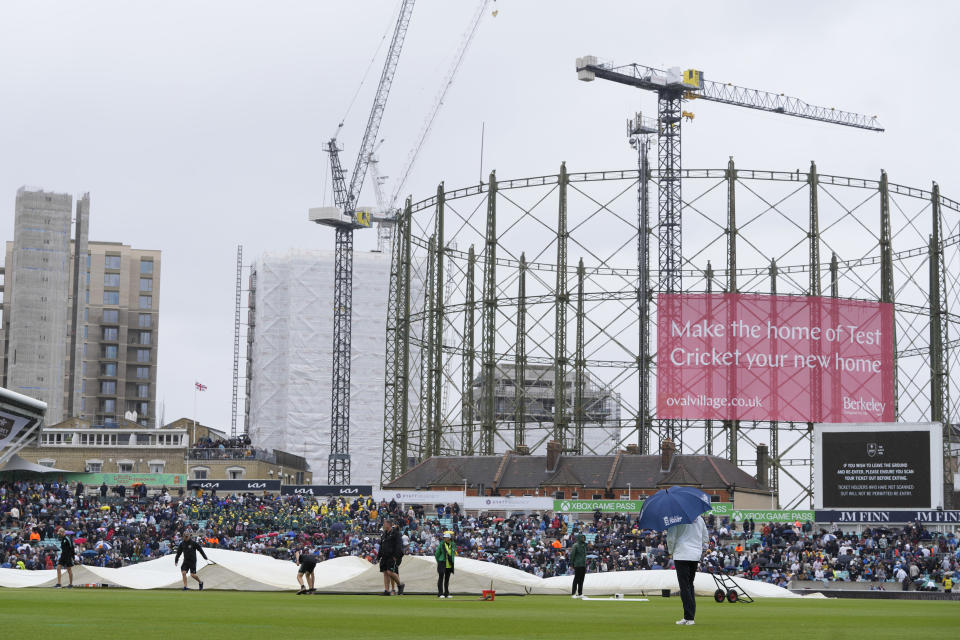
x=387, y=218
x=673, y=87
x=345, y=217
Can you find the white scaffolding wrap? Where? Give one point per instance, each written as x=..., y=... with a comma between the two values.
x=292, y=358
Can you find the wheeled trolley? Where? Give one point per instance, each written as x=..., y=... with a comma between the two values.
x=729, y=590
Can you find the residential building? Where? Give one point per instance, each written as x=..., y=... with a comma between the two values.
x=77, y=447
x=121, y=323
x=626, y=475
x=80, y=318
x=41, y=307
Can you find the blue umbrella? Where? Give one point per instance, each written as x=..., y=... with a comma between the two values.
x=672, y=506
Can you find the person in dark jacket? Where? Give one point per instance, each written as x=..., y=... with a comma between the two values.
x=103, y=491
x=307, y=562
x=67, y=557
x=389, y=556
x=188, y=549
x=445, y=554
x=578, y=558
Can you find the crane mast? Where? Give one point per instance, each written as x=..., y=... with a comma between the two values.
x=344, y=218
x=673, y=87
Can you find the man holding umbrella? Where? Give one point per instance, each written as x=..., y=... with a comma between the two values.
x=677, y=510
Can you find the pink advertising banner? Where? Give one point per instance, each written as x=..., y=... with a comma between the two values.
x=765, y=357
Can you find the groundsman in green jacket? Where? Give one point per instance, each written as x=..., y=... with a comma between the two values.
x=578, y=554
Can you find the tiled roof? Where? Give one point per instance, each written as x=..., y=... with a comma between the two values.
x=591, y=472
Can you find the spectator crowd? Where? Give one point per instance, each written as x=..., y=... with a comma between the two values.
x=114, y=529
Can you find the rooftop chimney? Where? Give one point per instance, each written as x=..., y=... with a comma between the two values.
x=522, y=450
x=633, y=449
x=553, y=455
x=666, y=455
x=763, y=465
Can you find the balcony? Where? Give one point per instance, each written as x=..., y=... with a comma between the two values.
x=241, y=453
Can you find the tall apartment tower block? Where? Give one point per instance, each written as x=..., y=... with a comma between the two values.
x=79, y=323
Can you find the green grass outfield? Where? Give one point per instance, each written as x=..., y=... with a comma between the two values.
x=36, y=614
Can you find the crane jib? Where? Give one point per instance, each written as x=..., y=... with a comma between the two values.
x=655, y=80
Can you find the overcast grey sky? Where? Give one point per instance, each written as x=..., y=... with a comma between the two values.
x=199, y=125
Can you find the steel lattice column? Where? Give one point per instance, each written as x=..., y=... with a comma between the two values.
x=670, y=218
x=708, y=424
x=561, y=301
x=390, y=464
x=488, y=357
x=813, y=236
x=774, y=384
x=469, y=356
x=939, y=331
x=644, y=426
x=431, y=444
x=731, y=427
x=338, y=462
x=403, y=444
x=887, y=287
x=520, y=359
x=437, y=321
x=579, y=368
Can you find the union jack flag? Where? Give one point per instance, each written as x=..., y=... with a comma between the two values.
x=199, y=387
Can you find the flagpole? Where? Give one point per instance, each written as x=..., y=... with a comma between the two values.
x=194, y=414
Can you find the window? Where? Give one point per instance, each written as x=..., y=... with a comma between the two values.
x=144, y=321
x=46, y=462
x=108, y=387
x=108, y=405
x=109, y=351
x=143, y=372
x=145, y=337
x=144, y=439
x=111, y=279
x=156, y=466
x=235, y=473
x=112, y=262
x=143, y=355
x=94, y=466
x=143, y=391
x=125, y=466
x=108, y=369
x=146, y=284
x=86, y=312
x=142, y=408
x=111, y=316
x=146, y=302
x=111, y=334
x=111, y=297
x=146, y=267
x=200, y=473
x=559, y=495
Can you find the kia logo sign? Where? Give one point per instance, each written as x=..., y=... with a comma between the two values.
x=325, y=490
x=235, y=485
